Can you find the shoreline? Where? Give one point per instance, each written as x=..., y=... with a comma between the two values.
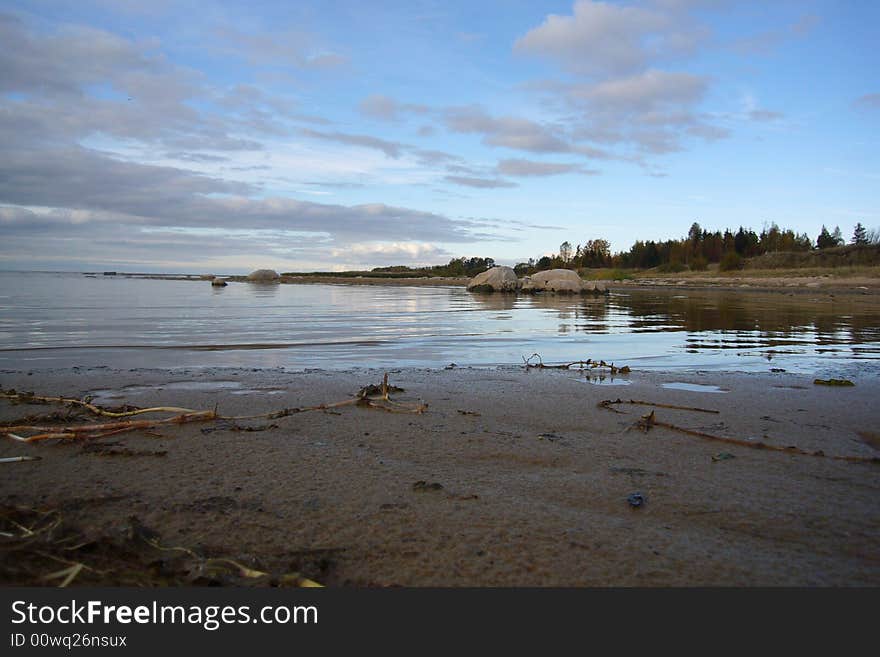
x=509, y=478
x=789, y=281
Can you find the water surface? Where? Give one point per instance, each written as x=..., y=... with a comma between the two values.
x=58, y=320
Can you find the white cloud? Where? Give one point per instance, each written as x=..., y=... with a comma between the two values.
x=479, y=183
x=522, y=167
x=601, y=38
x=507, y=131
x=385, y=108
x=385, y=251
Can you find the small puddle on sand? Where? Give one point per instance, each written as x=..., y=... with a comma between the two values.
x=603, y=381
x=107, y=395
x=693, y=387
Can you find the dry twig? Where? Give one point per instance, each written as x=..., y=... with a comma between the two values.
x=582, y=364
x=377, y=397
x=649, y=421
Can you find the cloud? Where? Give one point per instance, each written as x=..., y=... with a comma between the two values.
x=521, y=167
x=868, y=101
x=765, y=115
x=79, y=82
x=507, y=131
x=61, y=64
x=335, y=185
x=386, y=108
x=651, y=112
x=390, y=148
x=291, y=48
x=645, y=92
x=65, y=201
x=433, y=158
x=766, y=42
x=69, y=89
x=480, y=183
x=805, y=24
x=619, y=105
x=384, y=252
x=197, y=157
x=79, y=178
x=603, y=39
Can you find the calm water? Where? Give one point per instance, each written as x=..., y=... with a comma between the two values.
x=58, y=320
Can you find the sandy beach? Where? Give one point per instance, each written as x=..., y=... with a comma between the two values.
x=509, y=477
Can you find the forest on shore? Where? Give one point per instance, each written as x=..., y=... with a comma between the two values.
x=694, y=252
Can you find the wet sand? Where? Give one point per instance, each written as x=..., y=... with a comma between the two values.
x=524, y=478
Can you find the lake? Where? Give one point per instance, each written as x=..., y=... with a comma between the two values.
x=50, y=320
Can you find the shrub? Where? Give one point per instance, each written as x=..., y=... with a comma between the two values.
x=699, y=264
x=731, y=261
x=606, y=275
x=671, y=268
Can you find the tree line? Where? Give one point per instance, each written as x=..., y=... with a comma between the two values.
x=694, y=251
x=457, y=267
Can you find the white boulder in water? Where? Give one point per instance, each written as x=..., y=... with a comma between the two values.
x=497, y=279
x=263, y=276
x=560, y=281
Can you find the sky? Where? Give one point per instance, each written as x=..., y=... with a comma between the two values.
x=222, y=137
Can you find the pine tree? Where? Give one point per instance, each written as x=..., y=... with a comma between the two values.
x=860, y=235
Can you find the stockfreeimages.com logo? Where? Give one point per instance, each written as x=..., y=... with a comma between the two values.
x=210, y=617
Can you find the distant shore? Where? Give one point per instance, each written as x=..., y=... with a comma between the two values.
x=509, y=478
x=790, y=281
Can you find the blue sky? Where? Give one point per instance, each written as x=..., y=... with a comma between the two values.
x=226, y=136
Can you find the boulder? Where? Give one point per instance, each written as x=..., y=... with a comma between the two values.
x=560, y=281
x=497, y=279
x=263, y=276
x=218, y=282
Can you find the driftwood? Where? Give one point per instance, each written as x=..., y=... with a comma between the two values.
x=609, y=402
x=99, y=430
x=31, y=398
x=377, y=397
x=581, y=364
x=647, y=422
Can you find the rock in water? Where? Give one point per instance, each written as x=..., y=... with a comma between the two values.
x=563, y=281
x=263, y=276
x=218, y=282
x=497, y=279
x=560, y=281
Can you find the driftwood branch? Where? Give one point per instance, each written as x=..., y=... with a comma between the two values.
x=581, y=364
x=650, y=421
x=377, y=397
x=609, y=402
